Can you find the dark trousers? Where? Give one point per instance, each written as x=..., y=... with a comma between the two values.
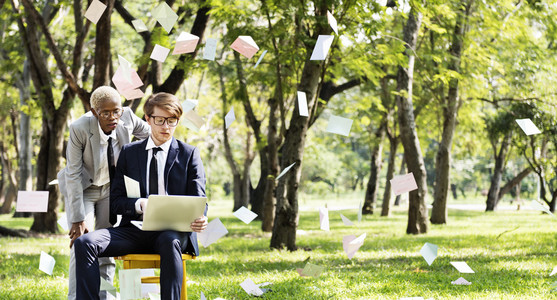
x=129, y=240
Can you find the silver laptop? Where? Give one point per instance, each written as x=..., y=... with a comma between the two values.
x=165, y=212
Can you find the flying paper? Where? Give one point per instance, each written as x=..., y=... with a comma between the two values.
x=95, y=11
x=46, y=263
x=53, y=182
x=360, y=211
x=165, y=16
x=553, y=272
x=346, y=221
x=260, y=59
x=185, y=43
x=203, y=296
x=132, y=187
x=130, y=283
x=284, y=171
x=462, y=266
x=126, y=68
x=332, y=21
x=351, y=244
x=245, y=215
x=32, y=201
x=159, y=53
x=403, y=183
x=538, y=206
x=324, y=218
x=339, y=125
x=429, y=252
x=210, y=49
x=107, y=286
x=245, y=45
x=528, y=126
x=189, y=104
x=312, y=270
x=63, y=222
x=229, y=118
x=139, y=25
x=302, y=104
x=195, y=122
x=461, y=281
x=249, y=286
x=214, y=231
x=127, y=89
x=322, y=46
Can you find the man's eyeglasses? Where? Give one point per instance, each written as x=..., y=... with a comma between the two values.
x=107, y=114
x=171, y=121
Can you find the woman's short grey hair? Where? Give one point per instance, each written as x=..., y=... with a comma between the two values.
x=103, y=93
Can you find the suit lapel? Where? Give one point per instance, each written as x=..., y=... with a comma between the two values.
x=170, y=159
x=142, y=162
x=95, y=140
x=122, y=134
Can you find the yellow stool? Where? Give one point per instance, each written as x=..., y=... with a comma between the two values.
x=148, y=261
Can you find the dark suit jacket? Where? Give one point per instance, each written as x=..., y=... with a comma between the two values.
x=183, y=175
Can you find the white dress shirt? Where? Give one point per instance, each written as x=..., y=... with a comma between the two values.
x=102, y=176
x=161, y=163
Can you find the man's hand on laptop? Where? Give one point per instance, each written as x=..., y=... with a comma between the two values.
x=140, y=205
x=199, y=224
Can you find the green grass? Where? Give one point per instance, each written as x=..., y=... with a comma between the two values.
x=508, y=265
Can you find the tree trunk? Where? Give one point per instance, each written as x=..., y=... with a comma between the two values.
x=497, y=174
x=513, y=183
x=103, y=57
x=25, y=142
x=376, y=163
x=402, y=170
x=386, y=207
x=269, y=201
x=450, y=111
x=257, y=195
x=417, y=211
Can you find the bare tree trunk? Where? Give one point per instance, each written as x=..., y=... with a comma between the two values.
x=497, y=174
x=376, y=163
x=401, y=171
x=25, y=142
x=386, y=207
x=417, y=211
x=450, y=111
x=269, y=201
x=103, y=57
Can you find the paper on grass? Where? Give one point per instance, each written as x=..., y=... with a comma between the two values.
x=249, y=286
x=202, y=297
x=132, y=187
x=229, y=118
x=322, y=46
x=528, y=126
x=139, y=25
x=461, y=281
x=462, y=267
x=130, y=284
x=245, y=215
x=260, y=59
x=245, y=45
x=95, y=11
x=107, y=286
x=351, y=244
x=554, y=271
x=429, y=252
x=46, y=263
x=165, y=16
x=63, y=221
x=302, y=104
x=185, y=43
x=210, y=50
x=339, y=125
x=32, y=201
x=159, y=53
x=538, y=206
x=324, y=218
x=214, y=231
x=403, y=183
x=284, y=171
x=312, y=270
x=332, y=21
x=346, y=221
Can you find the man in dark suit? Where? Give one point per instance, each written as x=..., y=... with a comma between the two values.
x=181, y=173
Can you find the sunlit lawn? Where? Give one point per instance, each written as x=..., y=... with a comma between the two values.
x=511, y=252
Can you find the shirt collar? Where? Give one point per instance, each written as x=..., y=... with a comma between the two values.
x=151, y=144
x=104, y=136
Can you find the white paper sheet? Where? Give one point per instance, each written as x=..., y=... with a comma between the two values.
x=95, y=11
x=189, y=104
x=332, y=21
x=249, y=286
x=214, y=231
x=132, y=187
x=210, y=50
x=302, y=104
x=229, y=118
x=312, y=270
x=346, y=221
x=324, y=218
x=462, y=267
x=429, y=252
x=284, y=171
x=260, y=59
x=185, y=43
x=528, y=126
x=339, y=125
x=32, y=201
x=403, y=183
x=538, y=206
x=130, y=284
x=63, y=221
x=107, y=286
x=554, y=271
x=159, y=53
x=46, y=263
x=322, y=46
x=245, y=215
x=461, y=281
x=245, y=45
x=351, y=244
x=194, y=119
x=165, y=16
x=139, y=25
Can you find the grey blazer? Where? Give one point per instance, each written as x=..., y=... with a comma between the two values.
x=83, y=156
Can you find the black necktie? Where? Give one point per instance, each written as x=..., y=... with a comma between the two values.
x=111, y=170
x=153, y=173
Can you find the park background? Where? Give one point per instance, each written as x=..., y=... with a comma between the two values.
x=433, y=88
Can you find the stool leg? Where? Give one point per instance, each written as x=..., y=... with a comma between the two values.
x=184, y=293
